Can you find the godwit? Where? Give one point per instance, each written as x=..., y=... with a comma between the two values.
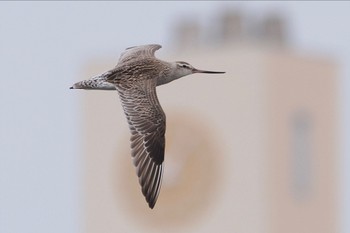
x=135, y=77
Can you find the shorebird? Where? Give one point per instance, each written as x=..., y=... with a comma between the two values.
x=135, y=78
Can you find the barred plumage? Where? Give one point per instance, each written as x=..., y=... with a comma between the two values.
x=135, y=78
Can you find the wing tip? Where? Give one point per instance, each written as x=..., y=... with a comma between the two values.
x=151, y=205
x=158, y=46
x=151, y=190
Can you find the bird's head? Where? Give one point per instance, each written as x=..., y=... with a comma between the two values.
x=180, y=69
x=183, y=69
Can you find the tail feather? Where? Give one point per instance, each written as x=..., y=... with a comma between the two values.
x=96, y=83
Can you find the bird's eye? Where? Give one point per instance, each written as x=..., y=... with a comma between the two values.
x=184, y=66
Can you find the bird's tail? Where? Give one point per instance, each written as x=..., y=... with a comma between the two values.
x=95, y=83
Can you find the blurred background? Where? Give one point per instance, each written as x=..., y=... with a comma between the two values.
x=263, y=148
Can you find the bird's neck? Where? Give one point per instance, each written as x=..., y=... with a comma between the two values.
x=172, y=74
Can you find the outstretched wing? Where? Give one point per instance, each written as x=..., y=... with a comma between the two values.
x=138, y=52
x=147, y=125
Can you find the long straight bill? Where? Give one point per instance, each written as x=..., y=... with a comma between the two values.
x=208, y=71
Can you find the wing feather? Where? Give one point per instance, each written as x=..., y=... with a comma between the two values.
x=147, y=126
x=137, y=52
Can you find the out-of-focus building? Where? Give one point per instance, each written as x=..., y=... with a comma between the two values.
x=251, y=151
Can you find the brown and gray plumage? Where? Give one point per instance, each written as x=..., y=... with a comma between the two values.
x=135, y=77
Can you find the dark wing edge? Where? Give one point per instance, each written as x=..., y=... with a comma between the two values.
x=148, y=170
x=137, y=52
x=147, y=126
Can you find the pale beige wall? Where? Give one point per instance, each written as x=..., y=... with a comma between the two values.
x=307, y=86
x=218, y=160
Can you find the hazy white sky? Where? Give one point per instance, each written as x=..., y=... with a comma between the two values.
x=43, y=47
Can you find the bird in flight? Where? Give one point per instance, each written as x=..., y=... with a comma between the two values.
x=135, y=78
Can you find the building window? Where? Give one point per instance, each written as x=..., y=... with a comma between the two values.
x=301, y=159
